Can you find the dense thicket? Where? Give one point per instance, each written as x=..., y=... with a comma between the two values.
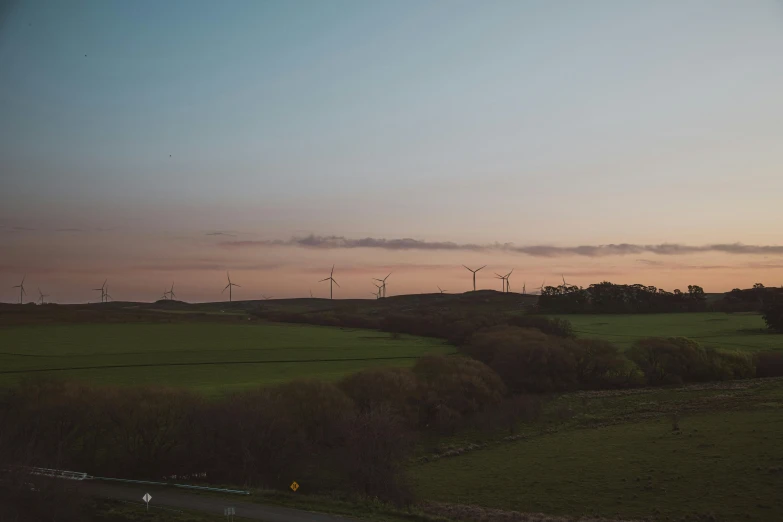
x=772, y=311
x=747, y=299
x=676, y=360
x=606, y=297
x=353, y=436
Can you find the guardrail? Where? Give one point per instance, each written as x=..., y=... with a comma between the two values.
x=80, y=476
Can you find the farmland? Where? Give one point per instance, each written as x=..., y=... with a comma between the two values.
x=740, y=331
x=210, y=357
x=619, y=456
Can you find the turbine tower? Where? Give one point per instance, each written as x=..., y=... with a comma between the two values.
x=331, y=283
x=22, y=292
x=41, y=296
x=474, y=275
x=172, y=295
x=378, y=293
x=102, y=290
x=230, y=287
x=442, y=291
x=383, y=282
x=502, y=281
x=508, y=281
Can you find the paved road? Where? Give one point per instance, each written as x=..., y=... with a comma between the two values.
x=208, y=504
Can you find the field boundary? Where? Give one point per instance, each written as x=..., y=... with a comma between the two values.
x=215, y=363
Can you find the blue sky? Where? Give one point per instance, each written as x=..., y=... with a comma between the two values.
x=533, y=122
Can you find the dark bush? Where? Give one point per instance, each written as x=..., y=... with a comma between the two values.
x=486, y=344
x=550, y=326
x=675, y=360
x=536, y=366
x=772, y=312
x=452, y=388
x=374, y=455
x=386, y=389
x=769, y=364
x=598, y=364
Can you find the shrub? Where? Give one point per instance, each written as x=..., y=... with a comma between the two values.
x=485, y=345
x=675, y=360
x=536, y=366
x=769, y=364
x=388, y=389
x=451, y=388
x=598, y=364
x=374, y=455
x=549, y=325
x=772, y=312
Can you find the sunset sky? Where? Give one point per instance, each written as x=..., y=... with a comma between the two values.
x=154, y=142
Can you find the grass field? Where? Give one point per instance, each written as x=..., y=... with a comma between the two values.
x=619, y=456
x=205, y=356
x=745, y=332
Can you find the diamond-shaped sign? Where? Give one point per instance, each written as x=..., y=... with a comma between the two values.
x=294, y=486
x=146, y=498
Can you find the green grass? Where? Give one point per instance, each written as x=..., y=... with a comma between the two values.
x=744, y=332
x=104, y=510
x=618, y=456
x=209, y=357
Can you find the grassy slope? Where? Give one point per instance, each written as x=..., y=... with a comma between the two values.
x=217, y=345
x=619, y=456
x=745, y=332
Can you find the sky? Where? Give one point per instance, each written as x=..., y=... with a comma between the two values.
x=155, y=142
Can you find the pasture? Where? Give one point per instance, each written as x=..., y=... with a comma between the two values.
x=210, y=357
x=619, y=456
x=740, y=331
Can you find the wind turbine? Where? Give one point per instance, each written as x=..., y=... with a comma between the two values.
x=22, y=292
x=41, y=296
x=102, y=290
x=172, y=295
x=541, y=288
x=266, y=298
x=384, y=283
x=474, y=275
x=311, y=293
x=565, y=285
x=378, y=293
x=230, y=287
x=503, y=281
x=442, y=291
x=331, y=282
x=508, y=281
x=523, y=288
x=107, y=296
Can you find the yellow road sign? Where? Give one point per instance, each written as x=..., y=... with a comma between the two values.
x=294, y=486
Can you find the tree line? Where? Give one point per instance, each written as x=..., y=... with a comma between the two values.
x=606, y=297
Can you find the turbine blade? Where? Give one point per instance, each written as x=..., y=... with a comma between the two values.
x=335, y=282
x=322, y=280
x=485, y=266
x=468, y=268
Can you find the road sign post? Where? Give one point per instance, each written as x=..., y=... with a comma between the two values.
x=146, y=498
x=229, y=512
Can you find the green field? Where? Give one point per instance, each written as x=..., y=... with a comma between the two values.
x=618, y=456
x=744, y=332
x=204, y=356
